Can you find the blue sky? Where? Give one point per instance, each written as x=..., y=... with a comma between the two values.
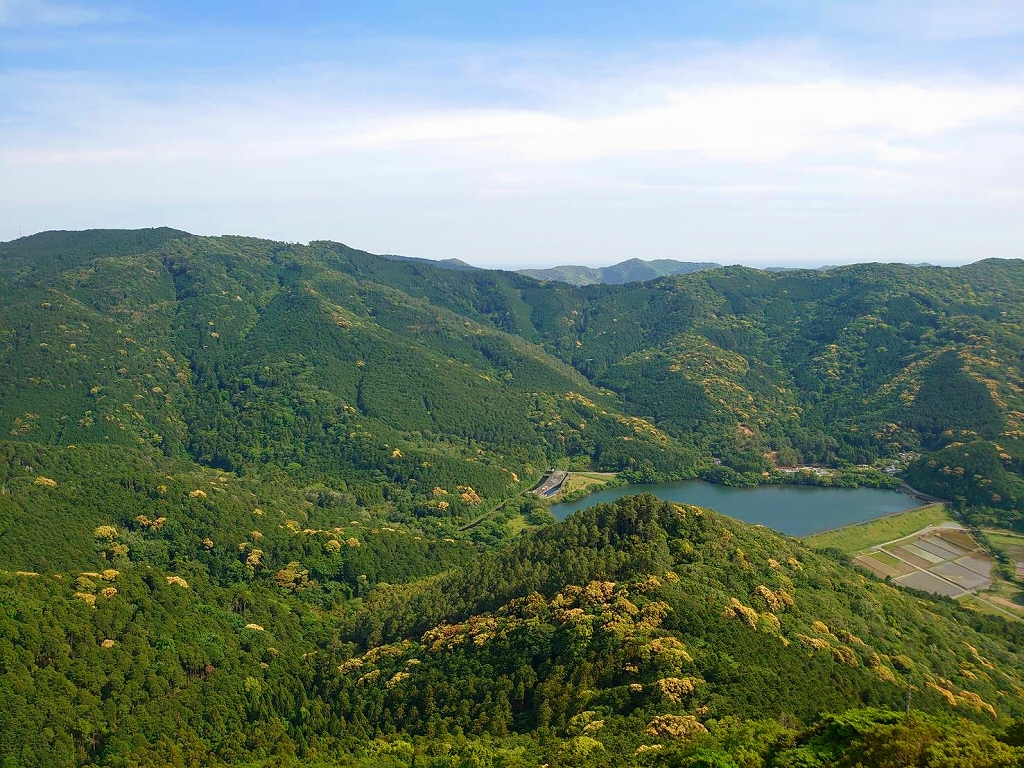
x=528, y=133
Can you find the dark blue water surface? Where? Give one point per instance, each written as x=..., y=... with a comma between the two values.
x=794, y=509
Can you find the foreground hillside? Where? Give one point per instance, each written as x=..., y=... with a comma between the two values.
x=639, y=627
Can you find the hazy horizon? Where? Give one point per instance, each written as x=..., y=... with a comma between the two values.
x=770, y=134
x=546, y=265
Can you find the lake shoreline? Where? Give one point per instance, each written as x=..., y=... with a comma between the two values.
x=782, y=479
x=880, y=517
x=795, y=509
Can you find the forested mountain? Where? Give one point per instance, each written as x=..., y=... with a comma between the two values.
x=337, y=365
x=629, y=271
x=248, y=515
x=853, y=364
x=245, y=355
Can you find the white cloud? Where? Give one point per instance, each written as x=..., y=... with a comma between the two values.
x=735, y=122
x=890, y=123
x=773, y=163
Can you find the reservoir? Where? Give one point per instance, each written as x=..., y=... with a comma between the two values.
x=796, y=510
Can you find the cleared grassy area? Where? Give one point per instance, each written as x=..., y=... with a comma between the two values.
x=885, y=557
x=1008, y=591
x=518, y=524
x=604, y=477
x=860, y=536
x=1012, y=545
x=1005, y=539
x=983, y=607
x=1005, y=597
x=578, y=481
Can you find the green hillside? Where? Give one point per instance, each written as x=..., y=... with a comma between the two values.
x=389, y=378
x=255, y=502
x=256, y=356
x=635, y=627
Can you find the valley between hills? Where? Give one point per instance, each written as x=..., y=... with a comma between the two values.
x=267, y=504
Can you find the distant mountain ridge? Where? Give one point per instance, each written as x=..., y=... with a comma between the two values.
x=629, y=271
x=456, y=264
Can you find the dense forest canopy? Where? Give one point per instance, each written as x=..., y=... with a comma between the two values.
x=252, y=505
x=332, y=364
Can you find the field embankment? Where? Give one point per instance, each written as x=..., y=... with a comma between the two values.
x=860, y=536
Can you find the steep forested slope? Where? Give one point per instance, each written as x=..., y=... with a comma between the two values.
x=248, y=355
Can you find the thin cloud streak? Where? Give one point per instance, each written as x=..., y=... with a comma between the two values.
x=758, y=123
x=32, y=13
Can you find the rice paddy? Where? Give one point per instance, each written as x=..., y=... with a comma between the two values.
x=926, y=550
